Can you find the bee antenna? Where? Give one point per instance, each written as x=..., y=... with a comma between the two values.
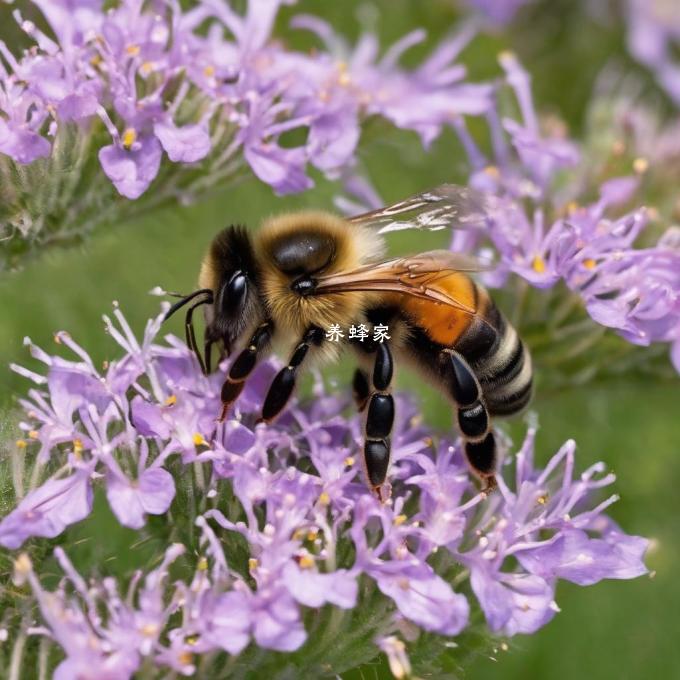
x=188, y=298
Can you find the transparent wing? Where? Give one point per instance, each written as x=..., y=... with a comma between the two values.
x=417, y=276
x=447, y=206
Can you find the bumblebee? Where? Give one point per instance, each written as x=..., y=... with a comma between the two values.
x=303, y=272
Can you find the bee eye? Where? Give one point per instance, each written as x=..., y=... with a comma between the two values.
x=234, y=293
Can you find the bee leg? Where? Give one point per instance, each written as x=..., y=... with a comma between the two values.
x=243, y=366
x=472, y=416
x=379, y=419
x=191, y=335
x=283, y=384
x=207, y=353
x=360, y=389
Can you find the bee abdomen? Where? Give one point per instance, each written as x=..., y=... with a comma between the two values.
x=500, y=360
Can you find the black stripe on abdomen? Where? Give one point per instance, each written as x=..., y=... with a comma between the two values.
x=507, y=385
x=500, y=360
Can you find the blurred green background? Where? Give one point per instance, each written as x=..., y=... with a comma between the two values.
x=611, y=630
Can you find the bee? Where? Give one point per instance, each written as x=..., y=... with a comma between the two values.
x=302, y=272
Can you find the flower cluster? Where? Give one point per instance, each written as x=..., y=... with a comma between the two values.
x=634, y=290
x=293, y=494
x=542, y=233
x=209, y=80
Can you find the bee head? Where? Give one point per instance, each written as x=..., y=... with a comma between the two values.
x=230, y=266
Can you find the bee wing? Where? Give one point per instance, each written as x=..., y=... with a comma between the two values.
x=446, y=206
x=416, y=275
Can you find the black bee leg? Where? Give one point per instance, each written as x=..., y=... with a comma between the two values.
x=360, y=389
x=207, y=353
x=283, y=384
x=472, y=415
x=191, y=335
x=379, y=419
x=243, y=366
x=205, y=296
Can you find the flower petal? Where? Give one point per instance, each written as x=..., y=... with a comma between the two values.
x=132, y=171
x=48, y=510
x=185, y=144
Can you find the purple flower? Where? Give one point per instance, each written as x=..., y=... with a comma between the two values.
x=546, y=527
x=109, y=644
x=545, y=236
x=49, y=509
x=152, y=492
x=161, y=83
x=653, y=35
x=514, y=603
x=576, y=557
x=132, y=170
x=357, y=78
x=22, y=144
x=287, y=524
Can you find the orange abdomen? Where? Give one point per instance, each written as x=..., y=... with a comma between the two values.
x=443, y=323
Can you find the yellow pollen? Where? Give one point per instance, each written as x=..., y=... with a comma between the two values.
x=253, y=564
x=640, y=165
x=171, y=400
x=506, y=55
x=428, y=441
x=129, y=137
x=306, y=562
x=589, y=263
x=312, y=534
x=191, y=640
x=349, y=461
x=146, y=67
x=95, y=60
x=538, y=264
x=77, y=445
x=202, y=564
x=299, y=534
x=344, y=77
x=23, y=564
x=57, y=338
x=209, y=71
x=185, y=658
x=33, y=434
x=492, y=171
x=21, y=443
x=132, y=50
x=542, y=500
x=399, y=520
x=324, y=498
x=199, y=440
x=572, y=207
x=149, y=629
